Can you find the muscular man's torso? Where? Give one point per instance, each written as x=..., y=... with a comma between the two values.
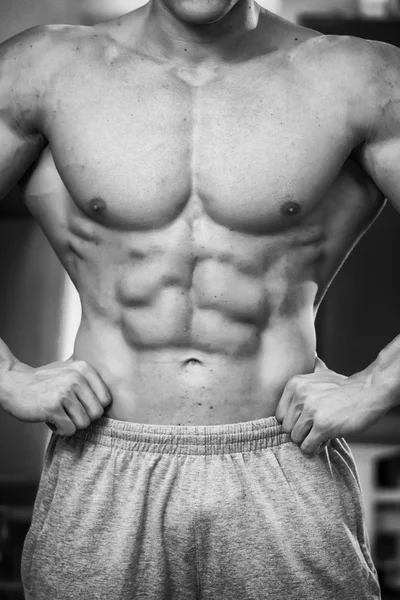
x=201, y=215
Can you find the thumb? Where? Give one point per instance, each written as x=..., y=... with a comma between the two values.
x=319, y=365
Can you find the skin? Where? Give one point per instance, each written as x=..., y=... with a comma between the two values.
x=202, y=188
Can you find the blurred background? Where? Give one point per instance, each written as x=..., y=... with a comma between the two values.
x=40, y=309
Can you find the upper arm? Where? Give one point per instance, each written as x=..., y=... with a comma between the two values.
x=379, y=113
x=25, y=74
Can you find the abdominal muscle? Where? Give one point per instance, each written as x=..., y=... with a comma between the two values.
x=173, y=385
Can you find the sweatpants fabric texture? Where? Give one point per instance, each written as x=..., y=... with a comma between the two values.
x=229, y=512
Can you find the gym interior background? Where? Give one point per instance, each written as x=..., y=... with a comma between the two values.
x=40, y=309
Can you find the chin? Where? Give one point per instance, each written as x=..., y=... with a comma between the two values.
x=90, y=12
x=200, y=12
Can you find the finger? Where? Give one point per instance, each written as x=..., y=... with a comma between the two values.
x=76, y=412
x=61, y=423
x=323, y=446
x=301, y=430
x=291, y=418
x=319, y=365
x=96, y=383
x=88, y=399
x=311, y=443
x=285, y=401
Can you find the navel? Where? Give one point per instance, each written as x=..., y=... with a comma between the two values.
x=98, y=205
x=291, y=209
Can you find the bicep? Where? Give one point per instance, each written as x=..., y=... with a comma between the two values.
x=21, y=88
x=379, y=154
x=17, y=153
x=381, y=160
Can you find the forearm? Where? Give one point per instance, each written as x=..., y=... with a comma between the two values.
x=384, y=374
x=7, y=361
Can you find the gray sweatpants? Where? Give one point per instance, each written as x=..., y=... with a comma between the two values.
x=230, y=512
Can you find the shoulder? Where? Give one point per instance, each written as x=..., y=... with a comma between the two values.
x=375, y=73
x=36, y=48
x=28, y=63
x=363, y=75
x=369, y=63
x=340, y=55
x=380, y=66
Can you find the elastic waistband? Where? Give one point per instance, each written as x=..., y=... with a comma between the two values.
x=177, y=439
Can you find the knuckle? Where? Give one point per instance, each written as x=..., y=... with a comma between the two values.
x=66, y=399
x=295, y=381
x=312, y=409
x=64, y=427
x=50, y=414
x=303, y=390
x=302, y=398
x=86, y=369
x=81, y=364
x=76, y=377
x=295, y=437
x=98, y=413
x=105, y=398
x=75, y=386
x=320, y=425
x=56, y=403
x=75, y=383
x=84, y=422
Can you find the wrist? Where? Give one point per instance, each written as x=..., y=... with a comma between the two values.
x=385, y=379
x=6, y=389
x=7, y=363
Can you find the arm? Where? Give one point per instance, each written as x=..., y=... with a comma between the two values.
x=21, y=91
x=379, y=155
x=67, y=395
x=324, y=405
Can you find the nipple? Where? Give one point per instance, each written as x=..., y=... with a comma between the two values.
x=97, y=205
x=291, y=208
x=192, y=361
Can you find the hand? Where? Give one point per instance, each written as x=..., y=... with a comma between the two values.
x=324, y=405
x=66, y=395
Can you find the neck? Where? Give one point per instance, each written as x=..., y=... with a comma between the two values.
x=165, y=36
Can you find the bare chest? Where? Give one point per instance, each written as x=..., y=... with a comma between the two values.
x=248, y=146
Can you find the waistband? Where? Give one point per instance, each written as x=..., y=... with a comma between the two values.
x=184, y=439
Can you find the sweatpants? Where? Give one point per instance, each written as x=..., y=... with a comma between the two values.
x=128, y=511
